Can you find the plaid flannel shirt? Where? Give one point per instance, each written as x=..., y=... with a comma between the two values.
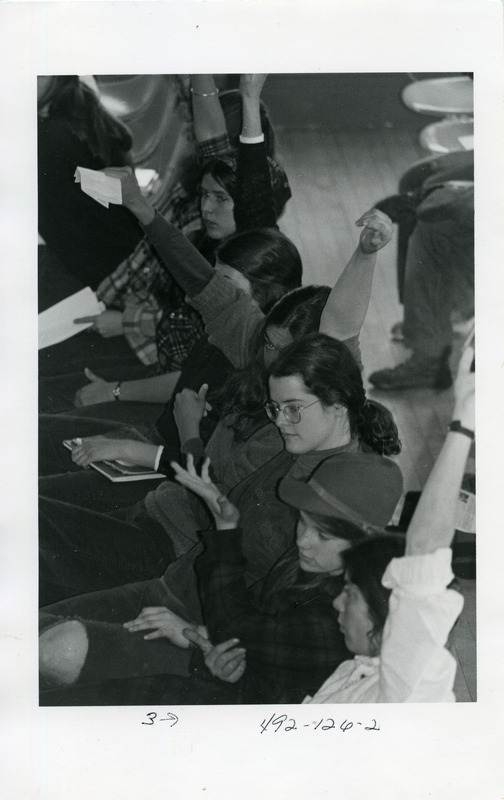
x=290, y=633
x=140, y=284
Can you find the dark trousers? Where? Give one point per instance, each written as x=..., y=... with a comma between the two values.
x=81, y=550
x=61, y=479
x=439, y=275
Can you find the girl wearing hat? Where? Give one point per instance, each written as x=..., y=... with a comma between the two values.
x=319, y=406
x=396, y=609
x=286, y=622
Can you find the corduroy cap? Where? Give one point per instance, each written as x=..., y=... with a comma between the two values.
x=363, y=488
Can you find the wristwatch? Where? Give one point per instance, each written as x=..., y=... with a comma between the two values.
x=117, y=391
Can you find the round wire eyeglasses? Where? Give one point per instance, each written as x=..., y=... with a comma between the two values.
x=291, y=414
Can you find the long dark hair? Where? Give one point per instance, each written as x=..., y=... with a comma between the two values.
x=329, y=371
x=245, y=391
x=288, y=573
x=365, y=564
x=268, y=259
x=68, y=98
x=223, y=171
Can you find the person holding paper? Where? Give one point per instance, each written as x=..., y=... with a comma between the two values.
x=260, y=197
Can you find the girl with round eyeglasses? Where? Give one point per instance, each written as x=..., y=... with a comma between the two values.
x=396, y=608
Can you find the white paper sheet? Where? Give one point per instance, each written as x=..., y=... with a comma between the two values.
x=102, y=188
x=57, y=323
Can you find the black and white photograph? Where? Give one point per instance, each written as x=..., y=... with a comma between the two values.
x=259, y=302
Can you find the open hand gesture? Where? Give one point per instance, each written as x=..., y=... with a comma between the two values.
x=377, y=230
x=226, y=515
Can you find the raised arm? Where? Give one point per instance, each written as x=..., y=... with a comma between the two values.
x=432, y=525
x=415, y=665
x=208, y=117
x=254, y=202
x=347, y=305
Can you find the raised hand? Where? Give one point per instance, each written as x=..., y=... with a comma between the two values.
x=251, y=85
x=189, y=408
x=107, y=324
x=132, y=197
x=97, y=391
x=226, y=660
x=162, y=623
x=377, y=230
x=225, y=514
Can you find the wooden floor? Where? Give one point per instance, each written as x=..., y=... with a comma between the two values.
x=335, y=176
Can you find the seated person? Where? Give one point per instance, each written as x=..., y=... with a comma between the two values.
x=395, y=611
x=161, y=512
x=177, y=327
x=263, y=263
x=286, y=622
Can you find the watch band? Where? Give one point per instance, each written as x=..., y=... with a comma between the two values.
x=117, y=391
x=456, y=427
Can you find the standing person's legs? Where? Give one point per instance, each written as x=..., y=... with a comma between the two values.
x=82, y=550
x=440, y=255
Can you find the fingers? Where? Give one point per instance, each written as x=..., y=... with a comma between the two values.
x=148, y=618
x=82, y=320
x=191, y=469
x=372, y=213
x=227, y=661
x=200, y=641
x=202, y=391
x=118, y=172
x=204, y=470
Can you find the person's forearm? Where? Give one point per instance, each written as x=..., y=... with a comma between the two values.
x=208, y=117
x=251, y=123
x=347, y=305
x=140, y=208
x=141, y=453
x=186, y=265
x=432, y=526
x=157, y=389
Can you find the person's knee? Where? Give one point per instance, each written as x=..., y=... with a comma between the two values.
x=62, y=652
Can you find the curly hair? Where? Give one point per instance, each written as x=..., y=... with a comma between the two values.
x=329, y=371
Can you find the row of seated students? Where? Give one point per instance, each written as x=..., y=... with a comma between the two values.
x=258, y=570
